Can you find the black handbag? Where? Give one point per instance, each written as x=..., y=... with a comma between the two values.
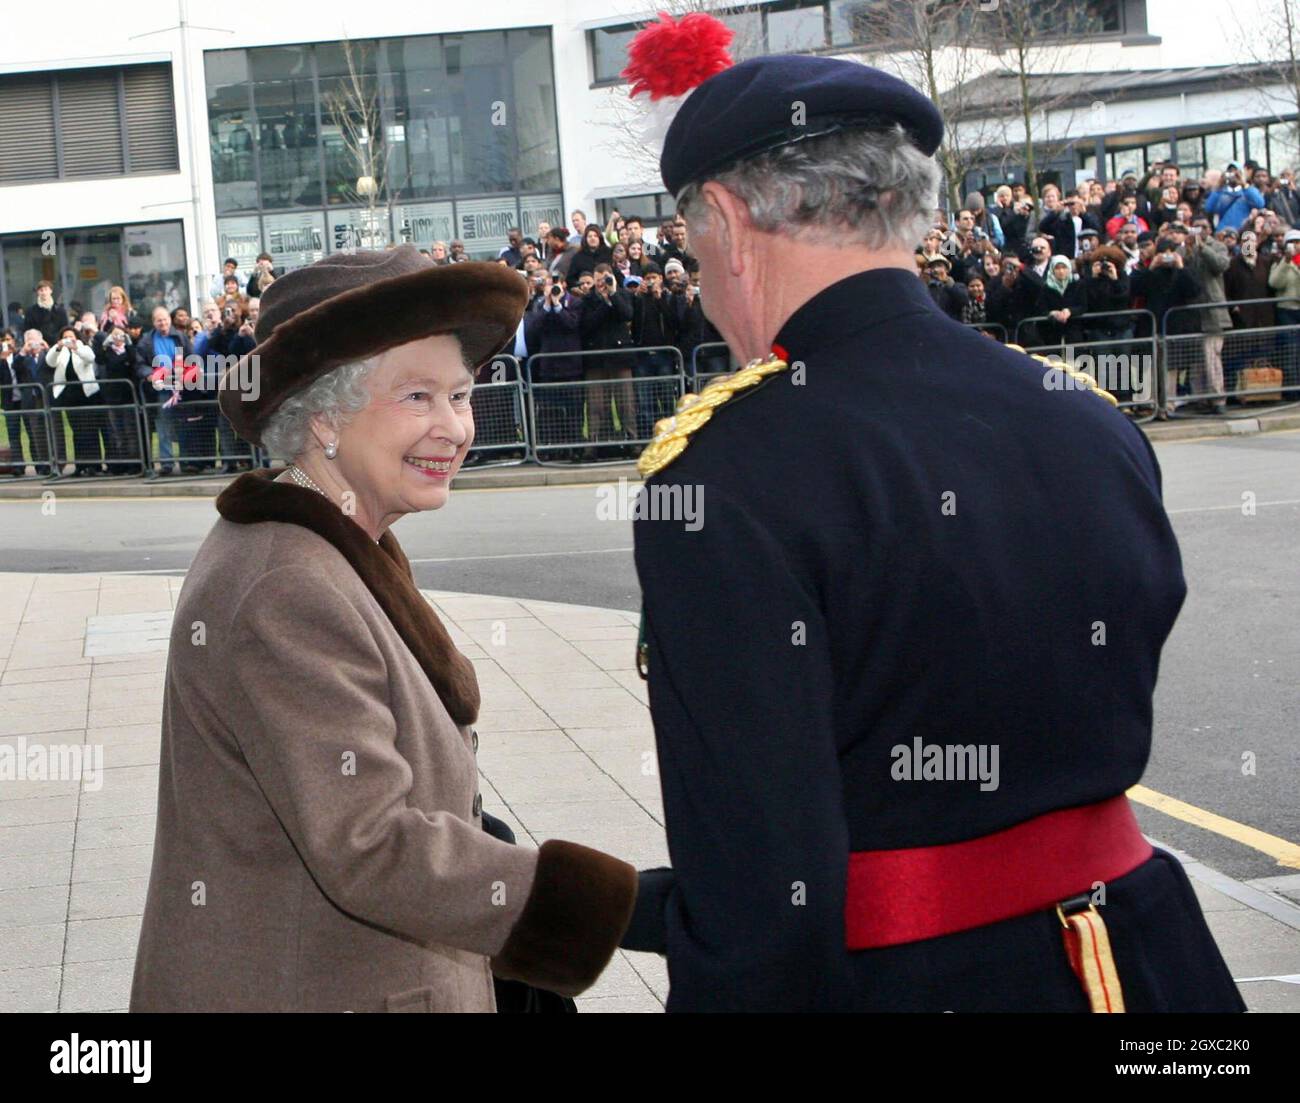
x=514, y=995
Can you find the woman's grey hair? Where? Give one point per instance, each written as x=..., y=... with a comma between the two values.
x=867, y=187
x=337, y=395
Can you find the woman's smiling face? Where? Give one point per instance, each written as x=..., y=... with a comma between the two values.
x=400, y=453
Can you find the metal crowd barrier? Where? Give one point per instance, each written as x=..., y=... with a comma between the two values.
x=1248, y=365
x=714, y=350
x=1127, y=364
x=191, y=433
x=105, y=432
x=33, y=415
x=996, y=329
x=623, y=393
x=500, y=426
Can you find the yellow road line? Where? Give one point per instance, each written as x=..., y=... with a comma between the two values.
x=1285, y=853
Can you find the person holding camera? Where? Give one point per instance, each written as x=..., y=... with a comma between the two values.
x=948, y=295
x=230, y=267
x=1106, y=292
x=262, y=276
x=1284, y=200
x=1060, y=301
x=115, y=357
x=15, y=369
x=1284, y=280
x=223, y=346
x=160, y=354
x=554, y=328
x=1164, y=284
x=72, y=386
x=1207, y=260
x=45, y=314
x=654, y=325
x=605, y=325
x=1235, y=201
x=1066, y=223
x=593, y=251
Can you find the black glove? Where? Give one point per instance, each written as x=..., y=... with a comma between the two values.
x=647, y=930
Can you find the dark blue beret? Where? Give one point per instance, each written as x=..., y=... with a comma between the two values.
x=750, y=107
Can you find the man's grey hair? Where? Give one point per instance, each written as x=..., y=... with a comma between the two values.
x=865, y=187
x=338, y=396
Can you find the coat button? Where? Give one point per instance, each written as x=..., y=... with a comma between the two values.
x=473, y=735
x=478, y=805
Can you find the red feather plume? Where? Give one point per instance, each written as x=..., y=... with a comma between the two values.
x=671, y=57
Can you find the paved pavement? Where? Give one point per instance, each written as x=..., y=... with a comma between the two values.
x=566, y=751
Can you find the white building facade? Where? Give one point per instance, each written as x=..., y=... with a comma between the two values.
x=187, y=134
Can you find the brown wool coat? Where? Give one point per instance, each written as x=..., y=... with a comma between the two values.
x=318, y=843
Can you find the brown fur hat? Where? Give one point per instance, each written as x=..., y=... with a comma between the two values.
x=351, y=306
x=1112, y=253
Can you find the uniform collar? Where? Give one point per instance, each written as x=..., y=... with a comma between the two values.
x=855, y=303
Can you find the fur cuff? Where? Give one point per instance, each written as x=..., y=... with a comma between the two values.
x=572, y=922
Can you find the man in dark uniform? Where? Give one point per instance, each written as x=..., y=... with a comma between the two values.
x=900, y=681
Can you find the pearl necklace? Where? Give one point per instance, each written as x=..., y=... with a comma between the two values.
x=299, y=476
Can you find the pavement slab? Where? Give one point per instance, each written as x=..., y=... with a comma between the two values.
x=566, y=751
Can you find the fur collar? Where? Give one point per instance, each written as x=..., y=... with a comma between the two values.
x=383, y=567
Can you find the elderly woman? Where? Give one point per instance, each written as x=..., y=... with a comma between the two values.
x=320, y=842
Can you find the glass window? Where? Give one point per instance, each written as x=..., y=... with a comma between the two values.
x=534, y=123
x=478, y=88
x=351, y=125
x=420, y=162
x=1283, y=147
x=609, y=51
x=1190, y=156
x=795, y=30
x=285, y=103
x=155, y=266
x=850, y=22
x=92, y=262
x=1156, y=151
x=28, y=260
x=748, y=39
x=1258, y=145
x=293, y=239
x=230, y=131
x=1220, y=149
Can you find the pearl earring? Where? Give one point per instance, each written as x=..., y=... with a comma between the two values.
x=331, y=449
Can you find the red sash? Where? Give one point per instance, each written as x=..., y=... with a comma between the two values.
x=898, y=896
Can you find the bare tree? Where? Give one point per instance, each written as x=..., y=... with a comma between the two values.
x=353, y=105
x=624, y=120
x=926, y=43
x=1035, y=39
x=1270, y=41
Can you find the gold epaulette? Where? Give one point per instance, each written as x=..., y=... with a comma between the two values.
x=1089, y=383
x=673, y=434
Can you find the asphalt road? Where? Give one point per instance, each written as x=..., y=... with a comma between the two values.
x=1228, y=685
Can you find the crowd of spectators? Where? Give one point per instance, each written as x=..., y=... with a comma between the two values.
x=92, y=365
x=593, y=291
x=1055, y=272
x=610, y=305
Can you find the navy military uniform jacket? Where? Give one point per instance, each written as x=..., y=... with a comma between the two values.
x=910, y=537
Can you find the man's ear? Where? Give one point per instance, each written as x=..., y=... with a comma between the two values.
x=730, y=223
